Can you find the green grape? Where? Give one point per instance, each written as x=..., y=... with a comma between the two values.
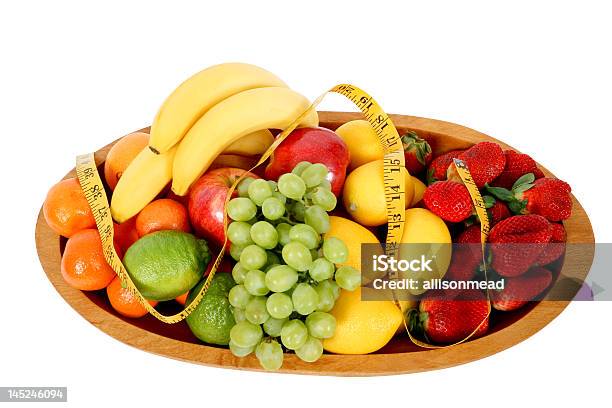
x=331, y=285
x=240, y=351
x=243, y=187
x=321, y=269
x=273, y=208
x=268, y=267
x=241, y=209
x=246, y=334
x=323, y=198
x=298, y=210
x=314, y=254
x=270, y=355
x=314, y=174
x=279, y=305
x=311, y=350
x=294, y=334
x=253, y=257
x=335, y=288
x=280, y=197
x=273, y=259
x=239, y=297
x=283, y=233
x=297, y=256
x=236, y=251
x=255, y=283
x=335, y=250
x=317, y=218
x=239, y=232
x=273, y=185
x=264, y=234
x=273, y=326
x=305, y=234
x=321, y=325
x=238, y=273
x=281, y=278
x=326, y=185
x=348, y=278
x=326, y=297
x=238, y=314
x=300, y=167
x=292, y=186
x=256, y=311
x=259, y=190
x=305, y=299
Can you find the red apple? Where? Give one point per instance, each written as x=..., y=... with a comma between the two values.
x=207, y=201
x=316, y=145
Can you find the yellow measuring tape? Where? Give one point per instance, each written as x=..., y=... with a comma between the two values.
x=388, y=137
x=481, y=213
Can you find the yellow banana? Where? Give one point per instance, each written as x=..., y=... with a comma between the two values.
x=232, y=160
x=228, y=121
x=251, y=145
x=198, y=94
x=142, y=181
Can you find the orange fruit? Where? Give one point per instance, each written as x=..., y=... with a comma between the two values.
x=182, y=299
x=126, y=234
x=83, y=265
x=124, y=302
x=162, y=214
x=66, y=210
x=122, y=154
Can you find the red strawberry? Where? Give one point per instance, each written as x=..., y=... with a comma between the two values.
x=467, y=255
x=485, y=161
x=497, y=212
x=548, y=197
x=417, y=152
x=449, y=200
x=447, y=321
x=517, y=242
x=517, y=165
x=520, y=290
x=438, y=166
x=556, y=247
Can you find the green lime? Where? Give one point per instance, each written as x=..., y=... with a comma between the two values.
x=212, y=319
x=166, y=264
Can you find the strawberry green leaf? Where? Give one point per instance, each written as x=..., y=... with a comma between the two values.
x=500, y=193
x=420, y=156
x=489, y=201
x=520, y=189
x=517, y=206
x=430, y=177
x=524, y=179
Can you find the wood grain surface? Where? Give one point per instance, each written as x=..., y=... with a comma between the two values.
x=399, y=356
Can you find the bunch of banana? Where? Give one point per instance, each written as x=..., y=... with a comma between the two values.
x=225, y=109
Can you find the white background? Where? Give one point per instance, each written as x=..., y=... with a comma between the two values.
x=75, y=76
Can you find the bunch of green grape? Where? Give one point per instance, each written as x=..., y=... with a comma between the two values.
x=286, y=276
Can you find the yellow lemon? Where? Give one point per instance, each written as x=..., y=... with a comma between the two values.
x=419, y=190
x=353, y=235
x=362, y=327
x=428, y=236
x=362, y=142
x=364, y=194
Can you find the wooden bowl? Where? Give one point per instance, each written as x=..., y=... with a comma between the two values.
x=399, y=356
